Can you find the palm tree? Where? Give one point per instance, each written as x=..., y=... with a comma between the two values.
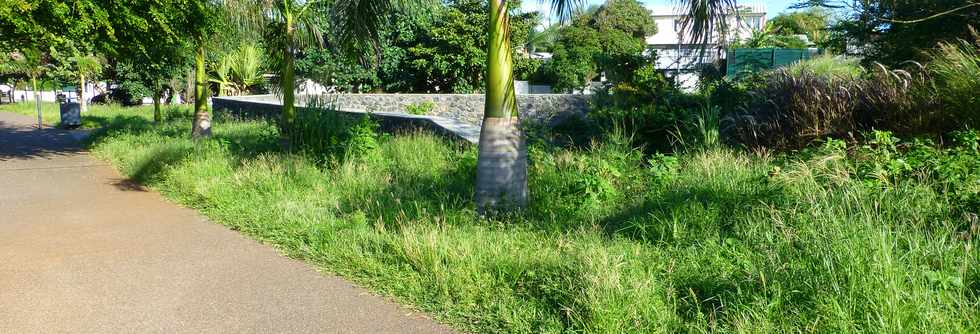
x=202, y=21
x=288, y=26
x=87, y=66
x=222, y=75
x=501, y=182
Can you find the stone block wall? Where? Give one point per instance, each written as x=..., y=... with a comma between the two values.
x=466, y=107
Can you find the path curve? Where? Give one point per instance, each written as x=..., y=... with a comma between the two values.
x=82, y=251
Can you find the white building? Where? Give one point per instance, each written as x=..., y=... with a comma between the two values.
x=675, y=51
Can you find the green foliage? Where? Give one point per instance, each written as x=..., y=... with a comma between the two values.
x=421, y=108
x=829, y=66
x=614, y=241
x=769, y=37
x=650, y=106
x=834, y=97
x=893, y=32
x=955, y=68
x=441, y=51
x=812, y=22
x=327, y=136
x=611, y=40
x=240, y=72
x=573, y=62
x=331, y=68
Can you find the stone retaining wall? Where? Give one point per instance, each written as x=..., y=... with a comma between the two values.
x=467, y=107
x=463, y=107
x=460, y=114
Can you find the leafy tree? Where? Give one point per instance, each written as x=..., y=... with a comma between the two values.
x=610, y=40
x=812, y=22
x=770, y=37
x=331, y=68
x=71, y=32
x=573, y=63
x=892, y=32
x=154, y=47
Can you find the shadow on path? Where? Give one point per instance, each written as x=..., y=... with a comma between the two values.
x=20, y=139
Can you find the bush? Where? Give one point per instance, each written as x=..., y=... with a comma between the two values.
x=421, y=108
x=796, y=105
x=899, y=101
x=791, y=109
x=326, y=135
x=650, y=106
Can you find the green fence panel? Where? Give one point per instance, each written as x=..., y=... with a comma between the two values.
x=752, y=60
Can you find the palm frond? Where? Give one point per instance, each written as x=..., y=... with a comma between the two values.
x=703, y=18
x=564, y=9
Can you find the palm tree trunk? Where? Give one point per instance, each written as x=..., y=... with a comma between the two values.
x=202, y=120
x=501, y=172
x=37, y=100
x=82, y=105
x=288, y=77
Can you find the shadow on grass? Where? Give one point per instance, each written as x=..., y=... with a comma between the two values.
x=694, y=208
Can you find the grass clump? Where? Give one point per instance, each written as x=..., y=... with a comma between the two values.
x=615, y=241
x=829, y=66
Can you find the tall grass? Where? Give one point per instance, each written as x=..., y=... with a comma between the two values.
x=829, y=66
x=615, y=241
x=956, y=68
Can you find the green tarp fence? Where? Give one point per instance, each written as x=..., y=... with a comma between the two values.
x=742, y=61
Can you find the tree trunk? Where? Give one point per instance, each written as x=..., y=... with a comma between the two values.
x=157, y=113
x=82, y=105
x=288, y=77
x=202, y=119
x=37, y=100
x=501, y=172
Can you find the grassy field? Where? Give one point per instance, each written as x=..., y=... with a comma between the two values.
x=712, y=240
x=97, y=116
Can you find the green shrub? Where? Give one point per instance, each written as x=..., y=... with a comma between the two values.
x=899, y=101
x=650, y=107
x=421, y=108
x=794, y=106
x=327, y=135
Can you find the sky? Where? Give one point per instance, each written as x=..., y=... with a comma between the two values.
x=773, y=6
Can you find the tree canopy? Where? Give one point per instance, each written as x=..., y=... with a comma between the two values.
x=610, y=39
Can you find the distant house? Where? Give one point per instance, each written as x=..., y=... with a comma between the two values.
x=681, y=59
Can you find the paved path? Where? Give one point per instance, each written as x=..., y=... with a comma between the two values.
x=83, y=251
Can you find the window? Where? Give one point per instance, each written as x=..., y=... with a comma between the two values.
x=754, y=23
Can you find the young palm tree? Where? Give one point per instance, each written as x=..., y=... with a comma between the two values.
x=502, y=164
x=87, y=66
x=287, y=26
x=202, y=115
x=203, y=20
